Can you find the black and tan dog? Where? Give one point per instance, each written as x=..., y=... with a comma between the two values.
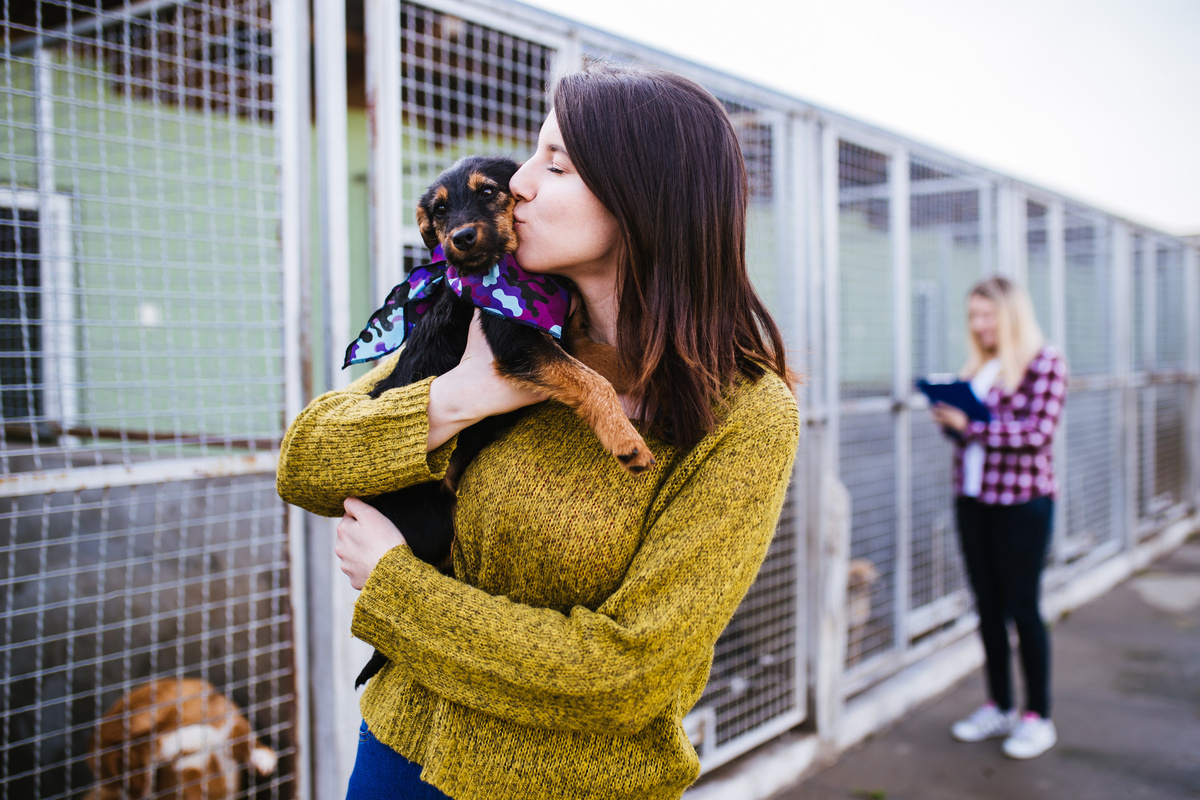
x=468, y=212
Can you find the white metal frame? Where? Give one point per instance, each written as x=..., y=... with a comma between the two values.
x=899, y=206
x=291, y=30
x=338, y=657
x=58, y=278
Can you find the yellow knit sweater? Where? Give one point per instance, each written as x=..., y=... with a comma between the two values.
x=580, y=628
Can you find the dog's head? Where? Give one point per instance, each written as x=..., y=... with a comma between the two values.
x=862, y=576
x=468, y=211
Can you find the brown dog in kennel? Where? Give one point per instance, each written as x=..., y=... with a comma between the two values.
x=860, y=585
x=174, y=738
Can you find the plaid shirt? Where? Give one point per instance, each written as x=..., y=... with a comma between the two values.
x=1018, y=458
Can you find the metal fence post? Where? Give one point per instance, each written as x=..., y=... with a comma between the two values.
x=833, y=506
x=898, y=182
x=291, y=30
x=1056, y=242
x=1191, y=275
x=335, y=653
x=1127, y=396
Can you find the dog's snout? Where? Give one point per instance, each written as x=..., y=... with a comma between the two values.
x=464, y=238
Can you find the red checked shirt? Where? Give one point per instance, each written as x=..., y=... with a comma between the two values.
x=1018, y=461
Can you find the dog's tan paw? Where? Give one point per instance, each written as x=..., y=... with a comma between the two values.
x=636, y=460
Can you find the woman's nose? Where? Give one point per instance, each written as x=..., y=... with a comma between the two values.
x=519, y=184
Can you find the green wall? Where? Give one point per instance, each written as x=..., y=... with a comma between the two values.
x=174, y=245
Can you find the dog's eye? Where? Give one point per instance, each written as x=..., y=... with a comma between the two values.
x=439, y=210
x=488, y=191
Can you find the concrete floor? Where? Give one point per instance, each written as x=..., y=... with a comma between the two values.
x=1126, y=680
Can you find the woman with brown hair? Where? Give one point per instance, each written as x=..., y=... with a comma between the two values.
x=579, y=629
x=1005, y=486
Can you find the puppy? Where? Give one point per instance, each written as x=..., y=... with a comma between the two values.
x=466, y=214
x=174, y=738
x=860, y=585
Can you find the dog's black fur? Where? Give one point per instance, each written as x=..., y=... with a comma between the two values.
x=468, y=210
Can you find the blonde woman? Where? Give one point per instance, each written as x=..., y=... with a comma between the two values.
x=1005, y=486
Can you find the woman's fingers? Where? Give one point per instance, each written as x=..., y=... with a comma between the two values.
x=484, y=381
x=472, y=391
x=363, y=536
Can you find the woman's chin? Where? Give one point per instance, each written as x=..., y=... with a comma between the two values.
x=533, y=266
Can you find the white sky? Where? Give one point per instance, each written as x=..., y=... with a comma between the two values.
x=1096, y=99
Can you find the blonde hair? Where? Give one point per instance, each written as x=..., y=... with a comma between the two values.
x=1018, y=336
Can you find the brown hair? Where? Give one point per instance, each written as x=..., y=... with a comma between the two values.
x=660, y=153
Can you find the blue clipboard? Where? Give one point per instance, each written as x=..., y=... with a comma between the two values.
x=955, y=393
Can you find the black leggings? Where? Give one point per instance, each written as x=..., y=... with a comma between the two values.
x=1005, y=549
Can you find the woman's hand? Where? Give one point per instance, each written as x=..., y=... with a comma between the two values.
x=949, y=417
x=472, y=391
x=363, y=536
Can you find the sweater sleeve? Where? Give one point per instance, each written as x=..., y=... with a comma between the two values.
x=347, y=444
x=609, y=670
x=1038, y=405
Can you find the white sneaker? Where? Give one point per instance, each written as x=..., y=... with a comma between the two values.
x=1032, y=737
x=986, y=722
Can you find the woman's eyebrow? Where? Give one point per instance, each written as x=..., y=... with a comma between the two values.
x=557, y=148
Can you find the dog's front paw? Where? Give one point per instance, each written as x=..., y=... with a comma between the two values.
x=264, y=760
x=637, y=459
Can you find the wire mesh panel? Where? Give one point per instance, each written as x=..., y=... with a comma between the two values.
x=868, y=469
x=1091, y=476
x=946, y=255
x=1144, y=441
x=1170, y=398
x=1141, y=282
x=937, y=584
x=753, y=677
x=466, y=89
x=1170, y=448
x=1170, y=310
x=141, y=343
x=766, y=257
x=867, y=446
x=1037, y=259
x=864, y=272
x=1089, y=320
x=106, y=589
x=1161, y=442
x=155, y=131
x=1159, y=352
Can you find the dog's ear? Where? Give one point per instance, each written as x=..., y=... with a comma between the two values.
x=425, y=225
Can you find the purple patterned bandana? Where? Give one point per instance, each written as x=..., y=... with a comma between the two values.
x=506, y=291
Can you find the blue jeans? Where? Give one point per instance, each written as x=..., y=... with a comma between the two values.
x=380, y=773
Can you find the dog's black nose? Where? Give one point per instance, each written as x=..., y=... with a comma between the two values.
x=464, y=238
